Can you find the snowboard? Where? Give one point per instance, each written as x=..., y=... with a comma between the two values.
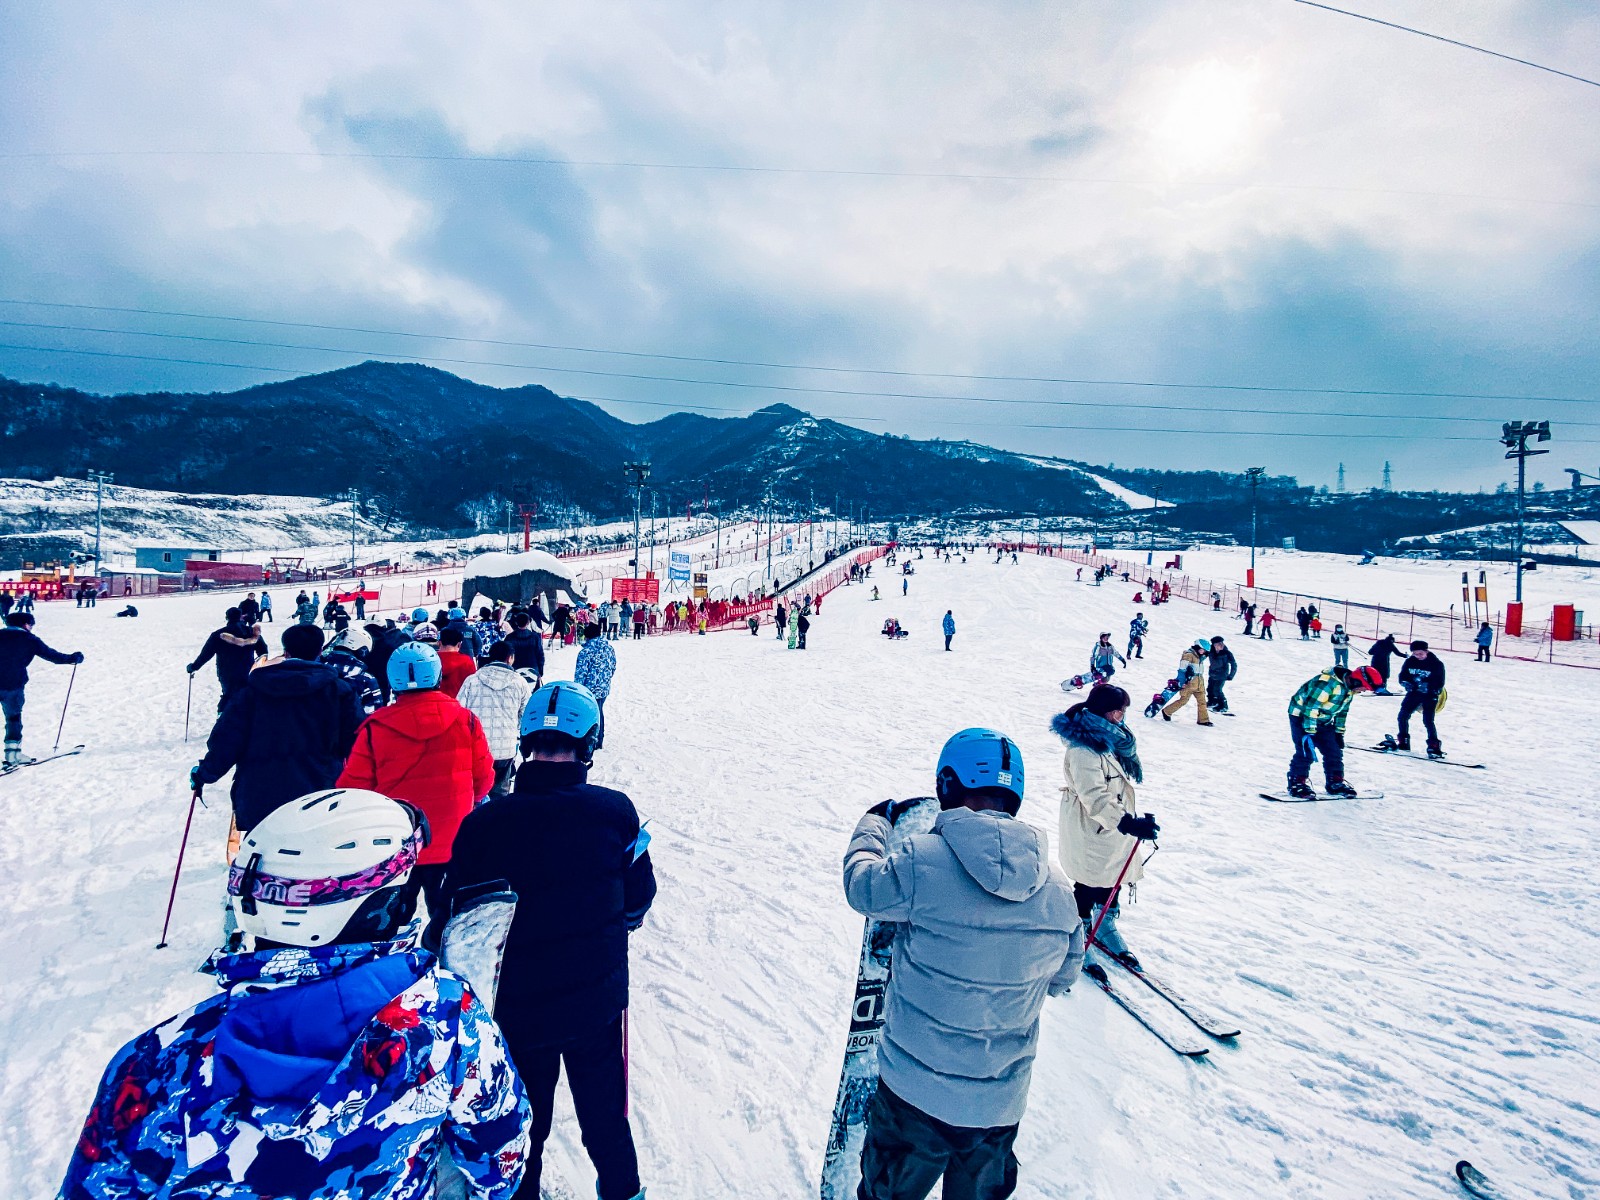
x=1285, y=798
x=37, y=761
x=1477, y=1183
x=858, y=1081
x=1399, y=753
x=474, y=938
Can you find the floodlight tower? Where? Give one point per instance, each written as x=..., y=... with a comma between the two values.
x=637, y=473
x=1514, y=437
x=99, y=479
x=1254, y=475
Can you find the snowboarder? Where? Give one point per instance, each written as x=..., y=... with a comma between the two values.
x=285, y=733
x=1381, y=657
x=1317, y=715
x=1422, y=677
x=949, y=626
x=1103, y=658
x=18, y=648
x=1191, y=683
x=1221, y=668
x=1485, y=639
x=988, y=931
x=428, y=751
x=496, y=694
x=1137, y=628
x=1100, y=821
x=576, y=857
x=597, y=666
x=317, y=1071
x=803, y=626
x=236, y=647
x=1340, y=641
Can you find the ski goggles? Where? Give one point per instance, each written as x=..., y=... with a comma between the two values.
x=253, y=885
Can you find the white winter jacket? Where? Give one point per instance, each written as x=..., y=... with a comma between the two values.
x=496, y=695
x=1097, y=794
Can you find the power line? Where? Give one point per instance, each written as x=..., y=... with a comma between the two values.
x=1345, y=12
x=1097, y=427
x=792, y=389
x=776, y=366
x=518, y=160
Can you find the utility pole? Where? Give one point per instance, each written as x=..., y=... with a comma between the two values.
x=654, y=496
x=1514, y=436
x=1150, y=533
x=1254, y=474
x=355, y=499
x=637, y=473
x=770, y=516
x=99, y=479
x=1341, y=478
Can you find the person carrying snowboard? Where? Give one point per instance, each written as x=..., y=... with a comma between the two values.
x=1137, y=628
x=1103, y=658
x=1317, y=714
x=338, y=1061
x=1221, y=667
x=1422, y=677
x=1101, y=826
x=988, y=931
x=18, y=648
x=576, y=857
x=1191, y=683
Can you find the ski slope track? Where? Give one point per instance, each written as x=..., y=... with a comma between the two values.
x=1417, y=978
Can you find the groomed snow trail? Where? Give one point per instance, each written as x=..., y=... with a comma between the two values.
x=1416, y=977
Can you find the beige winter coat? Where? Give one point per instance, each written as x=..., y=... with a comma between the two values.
x=1097, y=794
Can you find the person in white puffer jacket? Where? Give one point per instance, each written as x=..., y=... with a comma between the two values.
x=496, y=695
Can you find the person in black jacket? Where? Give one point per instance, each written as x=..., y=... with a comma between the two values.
x=250, y=609
x=1382, y=652
x=575, y=856
x=386, y=639
x=18, y=648
x=1221, y=668
x=527, y=645
x=1422, y=677
x=285, y=734
x=235, y=646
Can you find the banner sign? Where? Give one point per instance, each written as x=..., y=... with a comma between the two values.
x=679, y=570
x=640, y=591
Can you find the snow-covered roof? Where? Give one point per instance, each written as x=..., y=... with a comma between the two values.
x=498, y=563
x=1587, y=532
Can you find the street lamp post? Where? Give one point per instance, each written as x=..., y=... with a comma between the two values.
x=1254, y=474
x=1514, y=436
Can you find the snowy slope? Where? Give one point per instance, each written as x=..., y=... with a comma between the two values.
x=1416, y=976
x=1127, y=495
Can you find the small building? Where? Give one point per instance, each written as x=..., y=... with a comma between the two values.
x=171, y=559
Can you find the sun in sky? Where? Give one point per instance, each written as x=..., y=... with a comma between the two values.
x=1206, y=117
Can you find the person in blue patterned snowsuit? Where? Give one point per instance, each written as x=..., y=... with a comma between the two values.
x=596, y=665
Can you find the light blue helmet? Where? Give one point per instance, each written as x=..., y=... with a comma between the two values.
x=457, y=614
x=981, y=758
x=414, y=667
x=564, y=707
x=419, y=614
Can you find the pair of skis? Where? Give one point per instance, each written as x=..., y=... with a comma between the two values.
x=1149, y=1014
x=34, y=762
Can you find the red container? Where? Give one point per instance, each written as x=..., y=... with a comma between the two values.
x=1513, y=626
x=1563, y=623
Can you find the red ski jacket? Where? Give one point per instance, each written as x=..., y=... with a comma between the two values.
x=427, y=750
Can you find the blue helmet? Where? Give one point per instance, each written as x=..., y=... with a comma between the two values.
x=413, y=667
x=457, y=614
x=564, y=707
x=419, y=614
x=982, y=758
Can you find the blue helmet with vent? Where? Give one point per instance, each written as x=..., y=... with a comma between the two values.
x=414, y=667
x=981, y=758
x=567, y=708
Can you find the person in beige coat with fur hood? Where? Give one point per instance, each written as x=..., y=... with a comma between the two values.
x=1100, y=823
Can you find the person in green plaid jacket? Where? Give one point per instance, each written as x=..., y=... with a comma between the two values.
x=1316, y=723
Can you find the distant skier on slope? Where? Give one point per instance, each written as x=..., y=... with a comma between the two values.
x=1103, y=658
x=18, y=648
x=1137, y=628
x=1317, y=715
x=988, y=931
x=336, y=1062
x=1100, y=821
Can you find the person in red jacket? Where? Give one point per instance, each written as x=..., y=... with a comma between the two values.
x=430, y=752
x=455, y=664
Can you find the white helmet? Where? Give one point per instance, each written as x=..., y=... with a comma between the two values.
x=352, y=639
x=309, y=867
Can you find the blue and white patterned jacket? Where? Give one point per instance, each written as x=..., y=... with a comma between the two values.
x=597, y=663
x=339, y=1071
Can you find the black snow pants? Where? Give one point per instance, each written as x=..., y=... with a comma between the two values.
x=906, y=1152
x=1425, y=704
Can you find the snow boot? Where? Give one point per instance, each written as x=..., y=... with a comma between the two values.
x=14, y=756
x=1109, y=938
x=1435, y=749
x=1301, y=790
x=1403, y=742
x=1341, y=788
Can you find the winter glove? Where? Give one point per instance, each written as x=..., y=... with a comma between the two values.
x=77, y=657
x=196, y=785
x=1144, y=828
x=191, y=668
x=891, y=810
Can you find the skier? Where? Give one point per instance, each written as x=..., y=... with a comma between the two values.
x=496, y=694
x=1317, y=714
x=576, y=857
x=346, y=655
x=266, y=607
x=1422, y=677
x=426, y=750
x=18, y=648
x=1191, y=683
x=1137, y=628
x=1103, y=658
x=284, y=734
x=949, y=626
x=1100, y=822
x=1381, y=657
x=1221, y=668
x=988, y=930
x=336, y=1062
x=803, y=627
x=1340, y=641
x=596, y=667
x=454, y=661
x=1267, y=620
x=235, y=646
x=1484, y=638
x=527, y=646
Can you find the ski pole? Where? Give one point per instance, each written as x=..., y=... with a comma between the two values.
x=178, y=870
x=64, y=704
x=186, y=702
x=1111, y=899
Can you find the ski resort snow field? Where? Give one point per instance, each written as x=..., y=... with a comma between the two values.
x=1417, y=978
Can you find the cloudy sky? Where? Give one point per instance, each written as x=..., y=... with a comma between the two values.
x=1125, y=204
